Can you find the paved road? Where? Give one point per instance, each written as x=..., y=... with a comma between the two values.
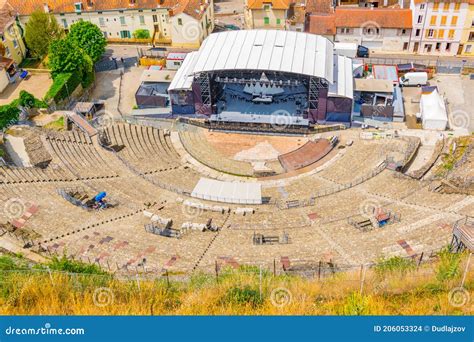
x=422, y=57
x=125, y=50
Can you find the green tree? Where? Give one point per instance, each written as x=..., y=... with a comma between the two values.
x=89, y=38
x=66, y=57
x=141, y=34
x=40, y=30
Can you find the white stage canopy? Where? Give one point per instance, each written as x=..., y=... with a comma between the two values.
x=229, y=192
x=262, y=50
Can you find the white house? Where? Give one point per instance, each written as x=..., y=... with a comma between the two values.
x=386, y=29
x=437, y=26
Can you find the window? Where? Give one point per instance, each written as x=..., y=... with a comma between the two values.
x=180, y=21
x=430, y=33
x=420, y=19
x=422, y=6
x=454, y=20
x=404, y=31
x=266, y=7
x=471, y=36
x=278, y=21
x=125, y=34
x=122, y=21
x=15, y=43
x=438, y=46
x=7, y=51
x=451, y=34
x=142, y=20
x=101, y=21
x=435, y=6
x=448, y=46
x=155, y=18
x=443, y=20
x=446, y=6
x=417, y=32
x=266, y=20
x=405, y=46
x=433, y=20
x=457, y=6
x=468, y=48
x=441, y=33
x=64, y=21
x=78, y=6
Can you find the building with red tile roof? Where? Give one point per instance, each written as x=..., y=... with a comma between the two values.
x=179, y=22
x=377, y=28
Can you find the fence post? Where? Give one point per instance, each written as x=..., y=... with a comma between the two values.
x=362, y=279
x=50, y=276
x=167, y=279
x=138, y=282
x=216, y=268
x=465, y=270
x=420, y=260
x=260, y=278
x=274, y=267
x=319, y=270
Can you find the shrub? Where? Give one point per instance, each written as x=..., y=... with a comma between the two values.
x=67, y=265
x=141, y=34
x=356, y=305
x=63, y=85
x=448, y=267
x=246, y=295
x=9, y=114
x=394, y=264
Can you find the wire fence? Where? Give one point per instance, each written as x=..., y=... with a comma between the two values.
x=364, y=280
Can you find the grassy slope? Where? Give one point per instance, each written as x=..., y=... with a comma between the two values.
x=392, y=289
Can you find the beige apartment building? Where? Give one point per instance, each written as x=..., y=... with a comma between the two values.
x=266, y=14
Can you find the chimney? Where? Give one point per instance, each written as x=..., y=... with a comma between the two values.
x=46, y=8
x=90, y=3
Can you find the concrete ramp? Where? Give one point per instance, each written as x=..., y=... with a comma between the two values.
x=82, y=123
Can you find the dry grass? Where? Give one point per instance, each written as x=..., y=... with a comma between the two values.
x=385, y=292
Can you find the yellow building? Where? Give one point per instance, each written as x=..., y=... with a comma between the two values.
x=11, y=35
x=266, y=14
x=467, y=38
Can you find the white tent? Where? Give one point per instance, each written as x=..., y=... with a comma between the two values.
x=433, y=111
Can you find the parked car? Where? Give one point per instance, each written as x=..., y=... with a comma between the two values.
x=232, y=27
x=414, y=79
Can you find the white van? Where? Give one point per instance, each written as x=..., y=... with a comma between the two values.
x=414, y=79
